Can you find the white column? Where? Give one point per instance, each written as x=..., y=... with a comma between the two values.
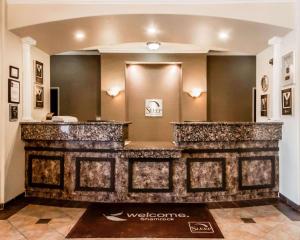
x=276, y=81
x=27, y=78
x=297, y=88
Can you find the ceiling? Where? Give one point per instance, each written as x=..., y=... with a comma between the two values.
x=140, y=1
x=128, y=33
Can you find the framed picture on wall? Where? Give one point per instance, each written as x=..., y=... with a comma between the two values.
x=13, y=112
x=288, y=69
x=13, y=91
x=264, y=105
x=287, y=101
x=39, y=72
x=13, y=72
x=39, y=96
x=264, y=82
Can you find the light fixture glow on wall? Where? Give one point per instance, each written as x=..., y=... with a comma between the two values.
x=195, y=92
x=113, y=92
x=79, y=35
x=223, y=35
x=153, y=45
x=151, y=30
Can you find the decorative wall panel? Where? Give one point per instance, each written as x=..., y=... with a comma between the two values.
x=46, y=171
x=256, y=172
x=150, y=175
x=95, y=174
x=206, y=174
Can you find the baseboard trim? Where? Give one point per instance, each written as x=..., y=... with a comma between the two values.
x=289, y=202
x=4, y=205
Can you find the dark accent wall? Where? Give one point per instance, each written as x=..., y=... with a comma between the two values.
x=230, y=80
x=78, y=78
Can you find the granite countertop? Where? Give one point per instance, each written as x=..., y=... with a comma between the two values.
x=148, y=145
x=76, y=123
x=225, y=123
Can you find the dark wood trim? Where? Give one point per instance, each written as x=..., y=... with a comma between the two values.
x=230, y=150
x=57, y=149
x=252, y=187
x=188, y=172
x=78, y=187
x=18, y=197
x=45, y=185
x=289, y=202
x=150, y=190
x=188, y=151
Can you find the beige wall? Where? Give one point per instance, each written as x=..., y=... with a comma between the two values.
x=12, y=168
x=152, y=81
x=193, y=76
x=14, y=148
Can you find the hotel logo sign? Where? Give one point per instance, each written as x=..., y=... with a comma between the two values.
x=153, y=107
x=201, y=227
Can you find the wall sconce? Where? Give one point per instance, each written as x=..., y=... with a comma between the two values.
x=195, y=92
x=113, y=92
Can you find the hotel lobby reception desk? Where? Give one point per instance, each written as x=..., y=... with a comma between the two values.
x=206, y=162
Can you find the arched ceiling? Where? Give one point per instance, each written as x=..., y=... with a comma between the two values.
x=23, y=13
x=181, y=33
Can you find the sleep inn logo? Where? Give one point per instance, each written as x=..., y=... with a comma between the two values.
x=153, y=107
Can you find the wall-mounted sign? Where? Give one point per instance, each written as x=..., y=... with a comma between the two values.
x=153, y=107
x=264, y=105
x=287, y=102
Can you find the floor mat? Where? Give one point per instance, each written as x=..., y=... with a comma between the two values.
x=135, y=220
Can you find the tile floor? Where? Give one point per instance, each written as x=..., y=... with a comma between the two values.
x=265, y=222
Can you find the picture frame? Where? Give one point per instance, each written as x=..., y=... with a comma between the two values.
x=13, y=91
x=13, y=72
x=39, y=96
x=264, y=82
x=13, y=112
x=287, y=101
x=39, y=72
x=288, y=69
x=264, y=105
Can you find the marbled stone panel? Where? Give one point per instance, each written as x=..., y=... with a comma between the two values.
x=257, y=172
x=206, y=174
x=95, y=174
x=150, y=175
x=225, y=132
x=103, y=132
x=46, y=171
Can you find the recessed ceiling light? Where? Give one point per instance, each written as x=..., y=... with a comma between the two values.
x=223, y=36
x=153, y=45
x=151, y=30
x=80, y=35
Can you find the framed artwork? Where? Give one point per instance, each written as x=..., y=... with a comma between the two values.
x=39, y=72
x=288, y=69
x=287, y=101
x=264, y=83
x=13, y=72
x=39, y=96
x=13, y=112
x=264, y=105
x=153, y=108
x=13, y=91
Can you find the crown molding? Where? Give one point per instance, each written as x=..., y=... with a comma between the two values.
x=147, y=2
